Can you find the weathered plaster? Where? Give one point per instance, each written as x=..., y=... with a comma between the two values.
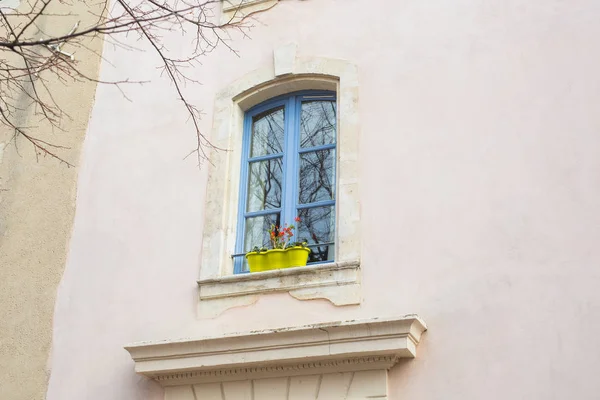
x=37, y=206
x=337, y=282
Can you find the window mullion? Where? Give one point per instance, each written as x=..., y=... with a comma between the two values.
x=289, y=160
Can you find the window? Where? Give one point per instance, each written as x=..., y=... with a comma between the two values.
x=289, y=170
x=221, y=286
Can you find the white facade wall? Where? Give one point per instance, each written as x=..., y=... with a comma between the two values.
x=479, y=175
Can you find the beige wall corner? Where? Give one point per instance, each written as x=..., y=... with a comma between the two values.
x=37, y=206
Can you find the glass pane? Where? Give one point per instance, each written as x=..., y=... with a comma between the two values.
x=317, y=176
x=317, y=123
x=264, y=184
x=257, y=233
x=317, y=226
x=267, y=133
x=257, y=230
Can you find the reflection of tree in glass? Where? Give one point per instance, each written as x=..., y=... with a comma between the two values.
x=316, y=227
x=264, y=187
x=317, y=123
x=267, y=133
x=316, y=179
x=317, y=176
x=265, y=177
x=317, y=128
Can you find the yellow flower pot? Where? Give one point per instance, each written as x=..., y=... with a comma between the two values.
x=277, y=259
x=257, y=262
x=297, y=256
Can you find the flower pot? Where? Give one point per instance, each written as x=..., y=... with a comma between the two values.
x=257, y=262
x=277, y=259
x=297, y=256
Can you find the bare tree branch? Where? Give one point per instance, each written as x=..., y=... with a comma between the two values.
x=30, y=58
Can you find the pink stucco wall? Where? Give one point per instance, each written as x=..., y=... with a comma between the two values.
x=479, y=191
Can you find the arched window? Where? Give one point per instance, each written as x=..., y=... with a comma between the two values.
x=289, y=171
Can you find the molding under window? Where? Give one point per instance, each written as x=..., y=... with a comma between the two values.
x=337, y=282
x=338, y=352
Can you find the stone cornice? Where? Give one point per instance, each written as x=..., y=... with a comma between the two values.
x=314, y=349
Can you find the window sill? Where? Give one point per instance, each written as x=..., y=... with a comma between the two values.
x=337, y=282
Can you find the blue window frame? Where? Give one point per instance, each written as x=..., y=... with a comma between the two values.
x=289, y=170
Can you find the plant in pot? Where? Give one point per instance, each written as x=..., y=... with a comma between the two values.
x=283, y=254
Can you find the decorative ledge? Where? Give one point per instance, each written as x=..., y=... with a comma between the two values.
x=338, y=347
x=337, y=282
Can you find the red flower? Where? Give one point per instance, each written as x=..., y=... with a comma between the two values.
x=297, y=219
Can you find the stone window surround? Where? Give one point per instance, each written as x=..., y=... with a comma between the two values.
x=341, y=360
x=339, y=281
x=238, y=9
x=232, y=5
